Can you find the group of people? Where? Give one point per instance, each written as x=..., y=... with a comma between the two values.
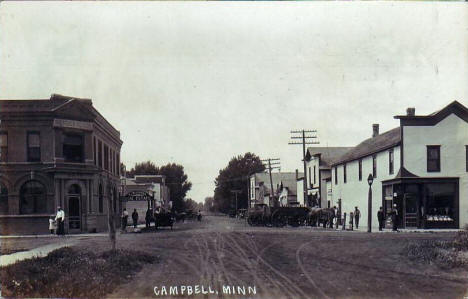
x=124, y=219
x=57, y=222
x=356, y=215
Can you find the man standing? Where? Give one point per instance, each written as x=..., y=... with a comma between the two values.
x=60, y=218
x=332, y=216
x=124, y=220
x=357, y=215
x=135, y=218
x=148, y=217
x=395, y=218
x=380, y=217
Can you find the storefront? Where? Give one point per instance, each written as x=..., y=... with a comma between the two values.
x=422, y=202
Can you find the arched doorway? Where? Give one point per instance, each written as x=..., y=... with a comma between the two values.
x=3, y=200
x=74, y=208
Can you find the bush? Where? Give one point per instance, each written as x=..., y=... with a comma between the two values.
x=67, y=272
x=445, y=254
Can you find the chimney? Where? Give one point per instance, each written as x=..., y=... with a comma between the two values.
x=375, y=130
x=410, y=111
x=297, y=174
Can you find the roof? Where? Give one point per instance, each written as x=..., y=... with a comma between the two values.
x=424, y=120
x=327, y=154
x=371, y=146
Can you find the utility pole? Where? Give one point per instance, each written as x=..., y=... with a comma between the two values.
x=305, y=139
x=236, y=192
x=271, y=165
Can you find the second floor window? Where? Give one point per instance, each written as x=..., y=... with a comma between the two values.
x=336, y=175
x=374, y=166
x=360, y=169
x=390, y=162
x=73, y=148
x=433, y=158
x=100, y=154
x=344, y=173
x=106, y=157
x=3, y=147
x=34, y=147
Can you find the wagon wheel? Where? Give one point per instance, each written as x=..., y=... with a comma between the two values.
x=279, y=220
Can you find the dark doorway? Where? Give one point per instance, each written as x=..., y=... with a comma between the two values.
x=74, y=218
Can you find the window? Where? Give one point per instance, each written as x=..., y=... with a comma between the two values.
x=433, y=158
x=101, y=199
x=466, y=157
x=360, y=169
x=106, y=157
x=3, y=147
x=73, y=148
x=390, y=161
x=336, y=175
x=310, y=176
x=344, y=173
x=3, y=200
x=118, y=164
x=100, y=153
x=34, y=147
x=374, y=166
x=33, y=198
x=314, y=175
x=94, y=150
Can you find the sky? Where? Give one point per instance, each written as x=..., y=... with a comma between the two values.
x=199, y=83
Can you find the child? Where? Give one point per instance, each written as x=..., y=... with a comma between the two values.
x=52, y=224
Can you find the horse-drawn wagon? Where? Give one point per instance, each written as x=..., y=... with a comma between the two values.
x=262, y=214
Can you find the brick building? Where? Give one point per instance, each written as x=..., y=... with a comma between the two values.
x=56, y=152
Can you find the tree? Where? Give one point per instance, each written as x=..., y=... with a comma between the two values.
x=236, y=177
x=209, y=204
x=178, y=184
x=147, y=167
x=176, y=180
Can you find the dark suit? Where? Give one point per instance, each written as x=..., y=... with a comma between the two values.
x=381, y=218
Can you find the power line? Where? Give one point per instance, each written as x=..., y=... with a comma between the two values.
x=305, y=137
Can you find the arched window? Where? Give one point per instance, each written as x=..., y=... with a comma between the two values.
x=33, y=198
x=101, y=199
x=74, y=189
x=3, y=200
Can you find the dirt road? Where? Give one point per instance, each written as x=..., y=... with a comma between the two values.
x=223, y=257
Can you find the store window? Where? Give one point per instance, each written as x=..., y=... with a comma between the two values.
x=3, y=200
x=440, y=203
x=3, y=147
x=33, y=198
x=73, y=148
x=34, y=147
x=433, y=158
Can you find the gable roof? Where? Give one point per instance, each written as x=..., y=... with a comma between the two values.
x=371, y=146
x=327, y=154
x=429, y=120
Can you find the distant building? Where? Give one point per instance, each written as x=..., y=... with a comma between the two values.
x=143, y=192
x=56, y=152
x=421, y=166
x=284, y=188
x=318, y=165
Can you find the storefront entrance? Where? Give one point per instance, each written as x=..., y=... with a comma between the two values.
x=422, y=202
